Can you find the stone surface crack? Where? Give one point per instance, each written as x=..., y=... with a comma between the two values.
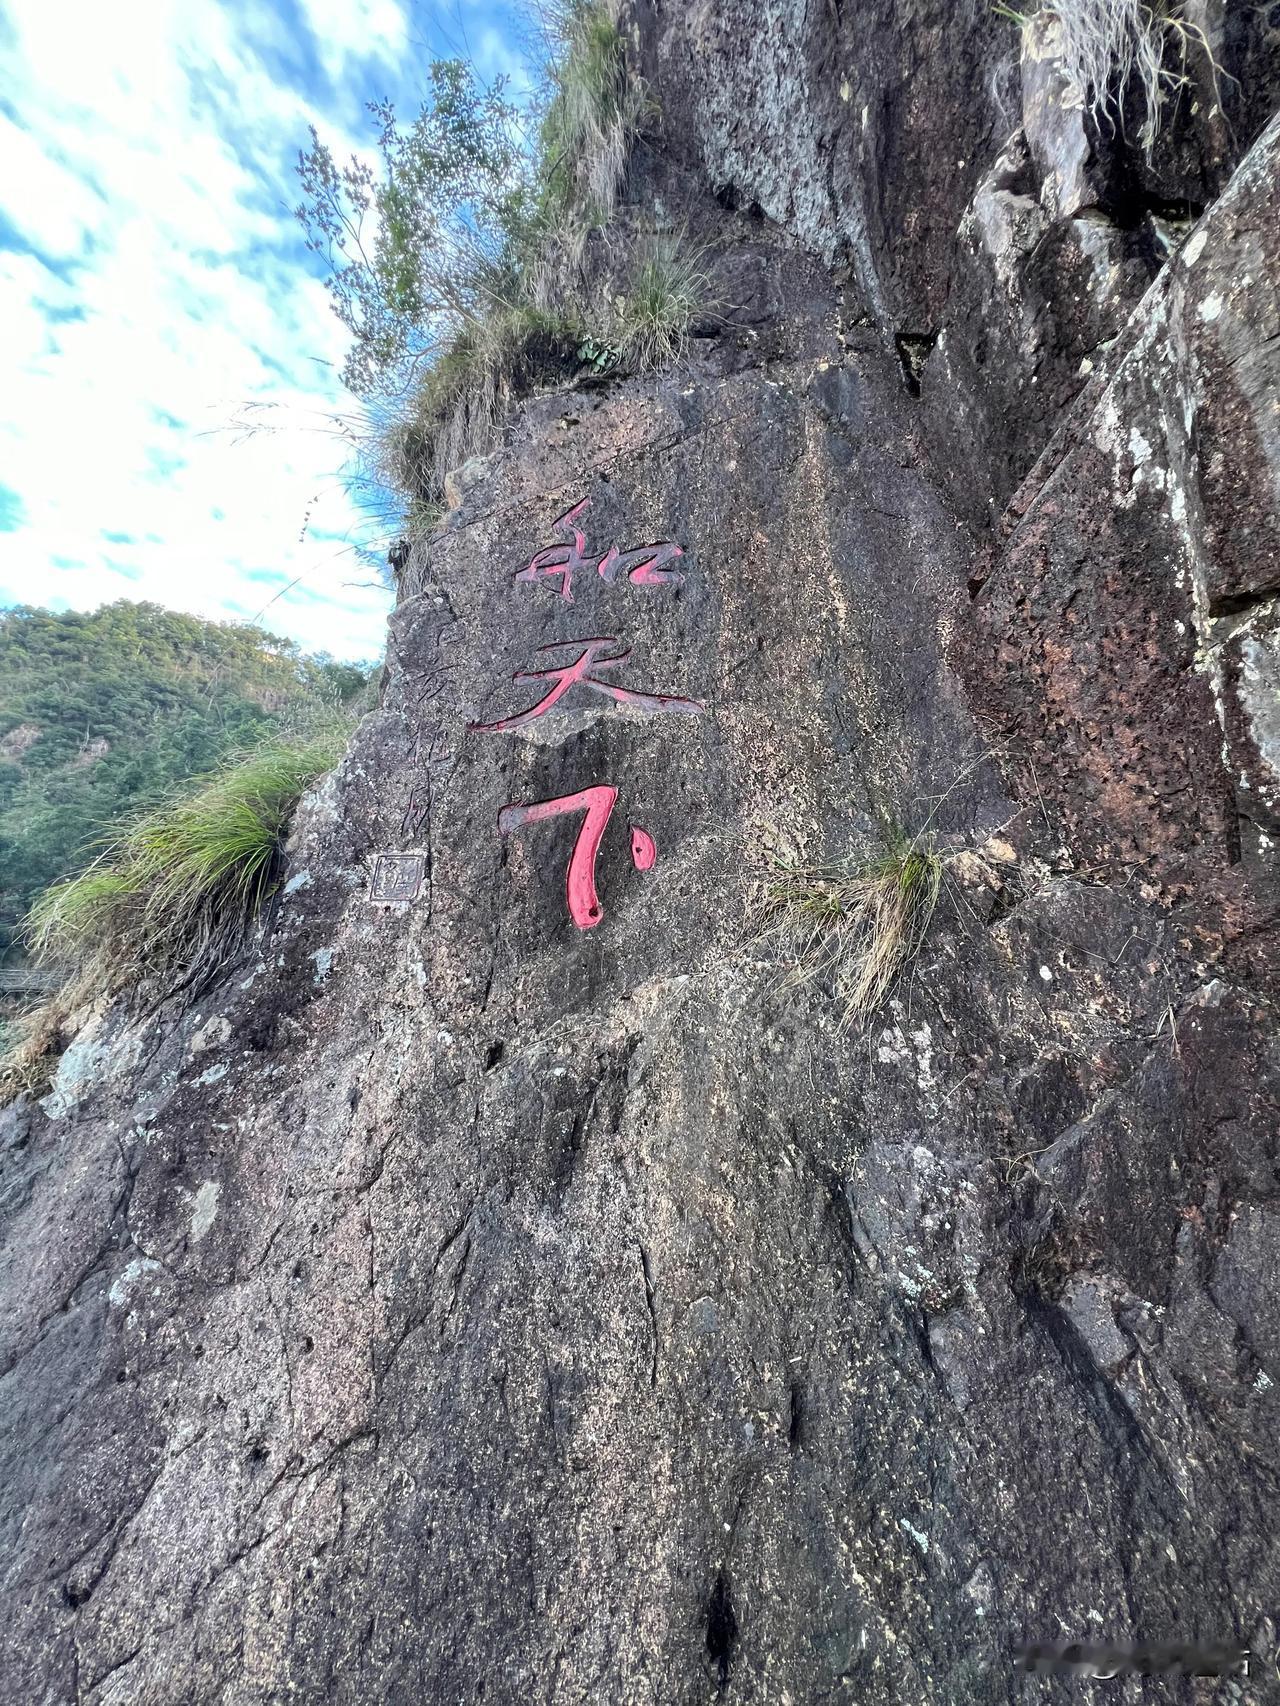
x=106, y=1676
x=653, y=1315
x=450, y=1239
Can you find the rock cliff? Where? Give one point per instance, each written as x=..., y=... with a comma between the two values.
x=505, y=1287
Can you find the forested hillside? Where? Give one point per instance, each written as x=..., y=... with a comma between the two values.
x=101, y=714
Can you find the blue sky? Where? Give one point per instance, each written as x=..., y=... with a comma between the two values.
x=155, y=296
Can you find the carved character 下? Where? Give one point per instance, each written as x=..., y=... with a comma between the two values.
x=580, y=882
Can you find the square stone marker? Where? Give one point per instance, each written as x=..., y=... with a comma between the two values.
x=397, y=877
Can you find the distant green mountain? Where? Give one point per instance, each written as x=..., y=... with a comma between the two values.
x=100, y=715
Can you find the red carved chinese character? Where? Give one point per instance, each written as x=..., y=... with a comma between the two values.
x=644, y=849
x=583, y=671
x=644, y=566
x=580, y=883
x=562, y=560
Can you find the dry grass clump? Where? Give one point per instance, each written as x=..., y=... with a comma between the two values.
x=666, y=291
x=471, y=287
x=1107, y=46
x=533, y=317
x=857, y=924
x=30, y=1047
x=457, y=407
x=173, y=896
x=595, y=113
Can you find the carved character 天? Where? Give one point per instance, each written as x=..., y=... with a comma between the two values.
x=584, y=672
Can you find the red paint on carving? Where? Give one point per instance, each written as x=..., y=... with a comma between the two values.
x=580, y=884
x=555, y=560
x=583, y=672
x=562, y=560
x=645, y=566
x=649, y=571
x=644, y=849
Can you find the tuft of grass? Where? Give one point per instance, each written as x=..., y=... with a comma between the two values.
x=459, y=404
x=530, y=328
x=520, y=313
x=858, y=923
x=32, y=1046
x=457, y=407
x=1109, y=45
x=173, y=896
x=597, y=110
x=667, y=289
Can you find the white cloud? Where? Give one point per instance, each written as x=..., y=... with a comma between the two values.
x=157, y=287
x=356, y=30
x=497, y=54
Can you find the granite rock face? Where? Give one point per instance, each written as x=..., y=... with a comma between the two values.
x=458, y=1304
x=1130, y=607
x=936, y=154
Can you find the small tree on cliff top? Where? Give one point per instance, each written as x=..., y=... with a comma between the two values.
x=430, y=242
x=470, y=224
x=456, y=257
